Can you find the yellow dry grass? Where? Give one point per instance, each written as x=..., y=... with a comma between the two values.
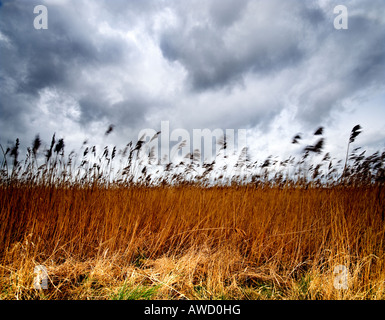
x=188, y=242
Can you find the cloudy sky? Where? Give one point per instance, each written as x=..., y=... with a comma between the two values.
x=275, y=68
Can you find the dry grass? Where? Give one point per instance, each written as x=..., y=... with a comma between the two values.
x=139, y=230
x=238, y=242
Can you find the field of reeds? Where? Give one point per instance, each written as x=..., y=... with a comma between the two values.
x=289, y=230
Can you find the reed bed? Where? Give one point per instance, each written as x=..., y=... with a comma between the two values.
x=233, y=242
x=270, y=237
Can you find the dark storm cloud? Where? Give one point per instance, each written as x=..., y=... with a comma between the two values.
x=219, y=48
x=128, y=112
x=215, y=57
x=47, y=57
x=225, y=13
x=204, y=56
x=198, y=63
x=354, y=62
x=34, y=60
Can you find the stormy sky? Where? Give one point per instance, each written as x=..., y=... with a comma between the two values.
x=275, y=68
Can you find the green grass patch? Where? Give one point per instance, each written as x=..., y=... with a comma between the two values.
x=135, y=292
